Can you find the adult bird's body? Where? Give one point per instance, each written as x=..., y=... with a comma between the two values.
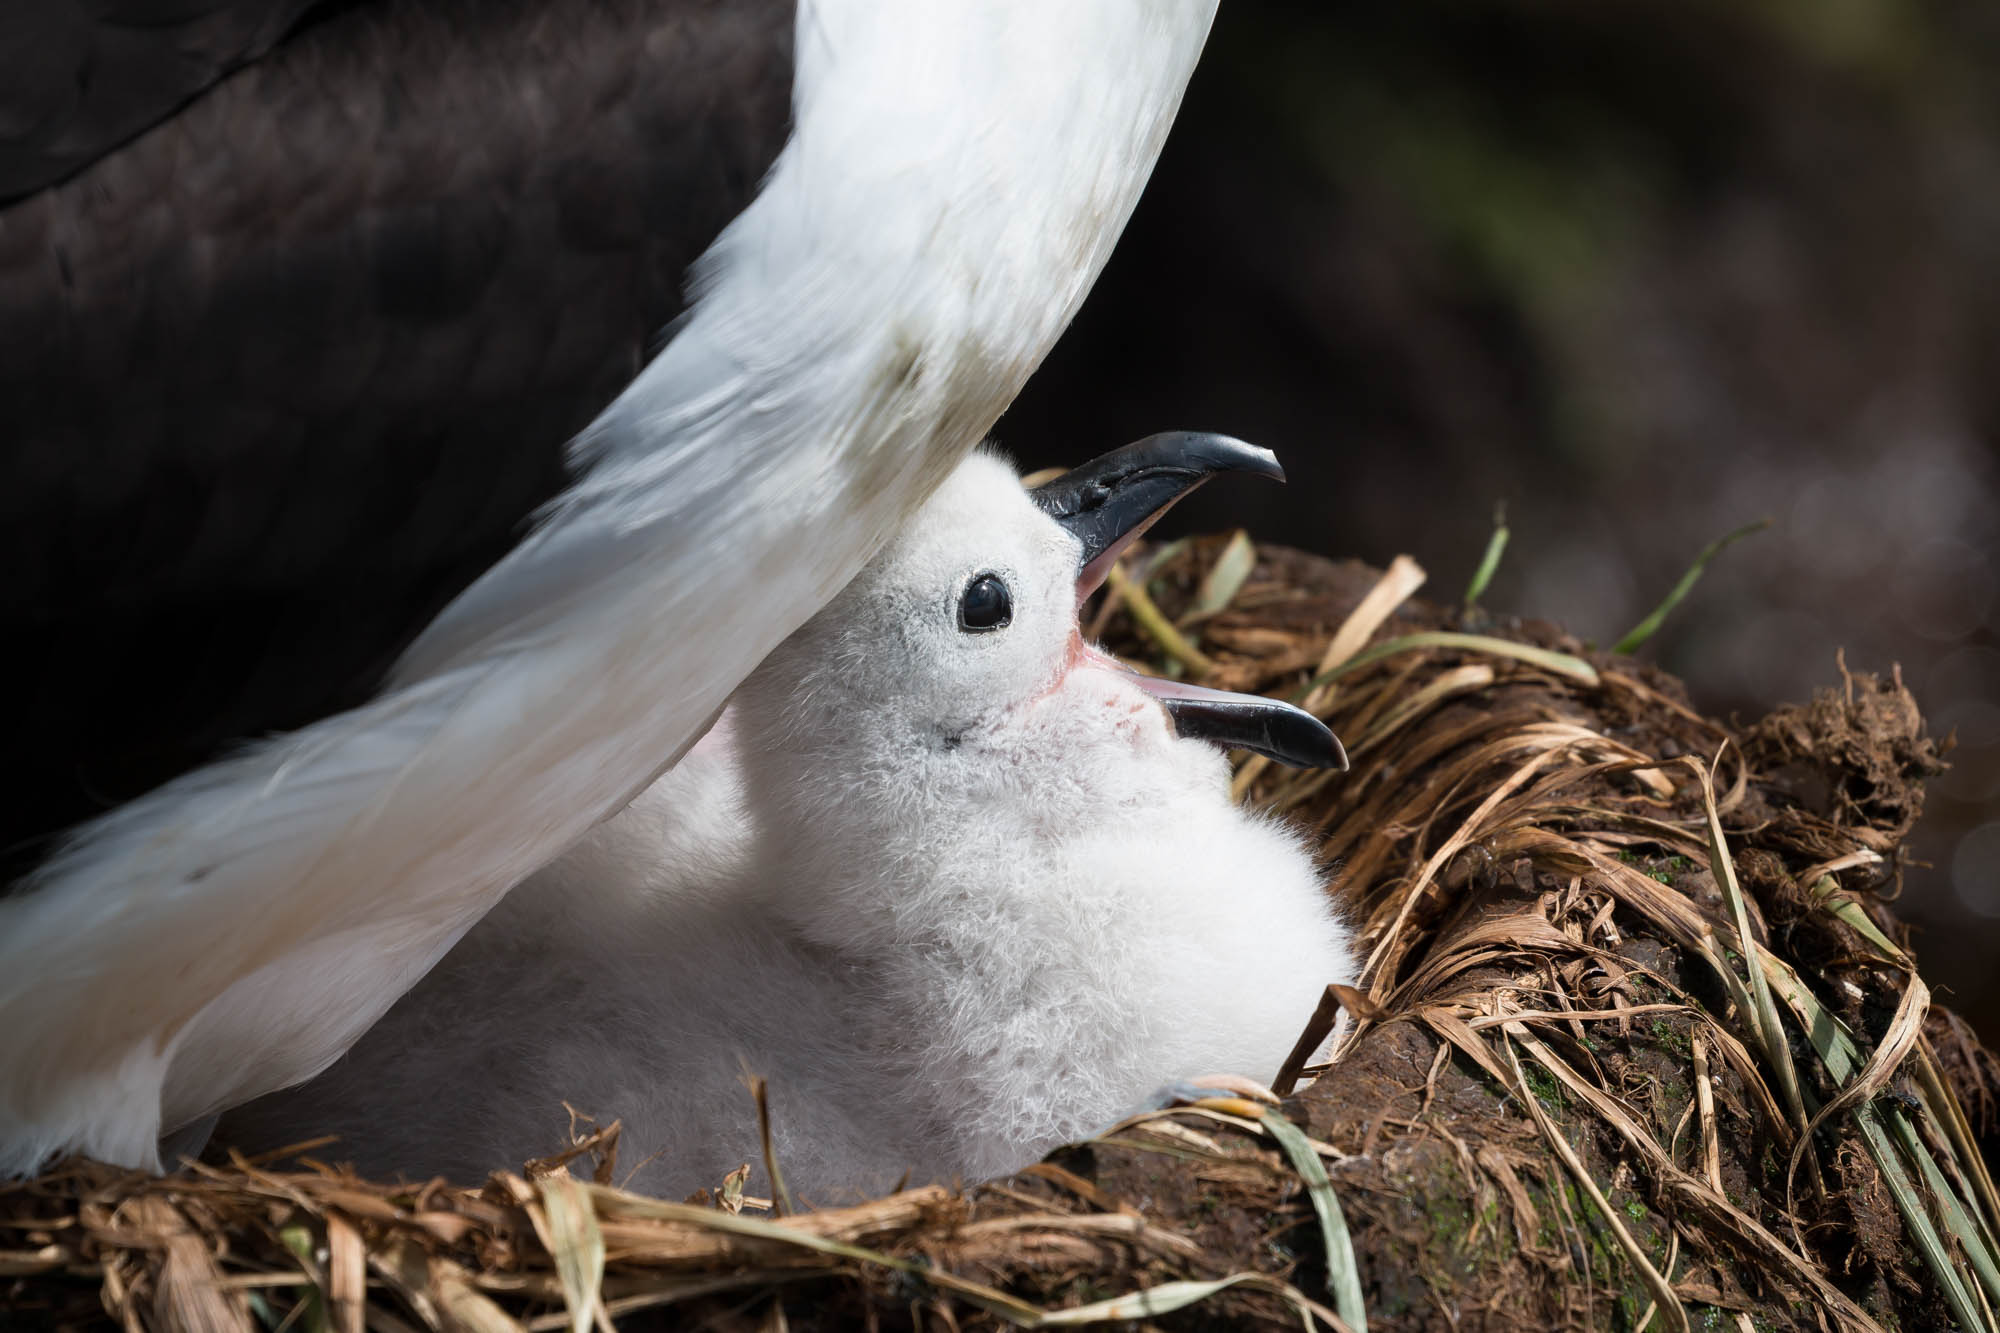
x=295, y=367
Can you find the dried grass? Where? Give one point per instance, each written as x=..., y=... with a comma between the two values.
x=1637, y=1045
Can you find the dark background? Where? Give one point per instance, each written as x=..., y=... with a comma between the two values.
x=1642, y=271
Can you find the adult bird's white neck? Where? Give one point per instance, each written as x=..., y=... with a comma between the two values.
x=956, y=179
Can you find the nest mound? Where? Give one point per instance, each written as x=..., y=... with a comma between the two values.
x=1639, y=1045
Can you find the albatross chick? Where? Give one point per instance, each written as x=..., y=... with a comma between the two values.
x=958, y=885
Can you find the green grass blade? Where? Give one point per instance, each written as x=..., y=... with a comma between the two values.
x=1827, y=894
x=1956, y=1219
x=1837, y=1050
x=1562, y=664
x=1650, y=626
x=1343, y=1275
x=1764, y=1012
x=309, y=1315
x=1496, y=545
x=1937, y=1256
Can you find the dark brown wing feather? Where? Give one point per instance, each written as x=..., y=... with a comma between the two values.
x=78, y=77
x=284, y=373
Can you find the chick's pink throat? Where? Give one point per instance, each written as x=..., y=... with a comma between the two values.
x=1078, y=655
x=1125, y=689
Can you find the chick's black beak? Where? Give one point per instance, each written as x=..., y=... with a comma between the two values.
x=1108, y=502
x=1269, y=727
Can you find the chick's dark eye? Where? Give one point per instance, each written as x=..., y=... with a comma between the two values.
x=985, y=605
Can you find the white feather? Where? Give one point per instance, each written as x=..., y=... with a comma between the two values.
x=957, y=176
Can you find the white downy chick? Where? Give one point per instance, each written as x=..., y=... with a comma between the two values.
x=955, y=883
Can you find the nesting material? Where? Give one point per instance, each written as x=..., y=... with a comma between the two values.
x=1637, y=1043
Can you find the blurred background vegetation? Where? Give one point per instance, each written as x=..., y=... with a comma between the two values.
x=1642, y=271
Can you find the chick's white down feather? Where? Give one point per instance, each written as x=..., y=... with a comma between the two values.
x=960, y=897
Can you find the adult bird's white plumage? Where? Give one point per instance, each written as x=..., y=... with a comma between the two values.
x=955, y=178
x=951, y=882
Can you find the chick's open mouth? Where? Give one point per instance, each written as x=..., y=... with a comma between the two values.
x=1270, y=727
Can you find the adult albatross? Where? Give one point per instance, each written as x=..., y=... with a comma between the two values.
x=357, y=558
